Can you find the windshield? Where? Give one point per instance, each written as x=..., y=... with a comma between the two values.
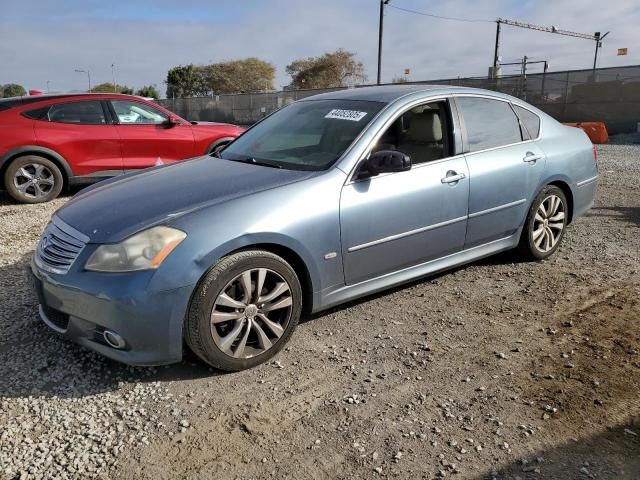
x=308, y=135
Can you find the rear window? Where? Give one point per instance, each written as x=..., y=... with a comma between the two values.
x=530, y=120
x=7, y=103
x=82, y=113
x=489, y=123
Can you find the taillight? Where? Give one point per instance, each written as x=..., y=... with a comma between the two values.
x=595, y=154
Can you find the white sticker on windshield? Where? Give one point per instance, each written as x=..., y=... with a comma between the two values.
x=352, y=115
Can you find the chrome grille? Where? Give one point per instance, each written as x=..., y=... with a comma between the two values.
x=59, y=246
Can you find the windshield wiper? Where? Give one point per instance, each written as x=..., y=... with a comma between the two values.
x=253, y=161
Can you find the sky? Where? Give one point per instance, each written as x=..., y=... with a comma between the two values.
x=47, y=40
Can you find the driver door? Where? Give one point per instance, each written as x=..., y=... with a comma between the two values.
x=397, y=220
x=146, y=139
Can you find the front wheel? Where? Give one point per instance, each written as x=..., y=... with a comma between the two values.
x=244, y=310
x=545, y=224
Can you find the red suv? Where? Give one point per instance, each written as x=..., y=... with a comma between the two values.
x=50, y=141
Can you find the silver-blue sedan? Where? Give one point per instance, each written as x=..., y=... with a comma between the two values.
x=326, y=200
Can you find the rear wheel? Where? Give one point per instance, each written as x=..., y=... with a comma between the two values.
x=545, y=224
x=244, y=310
x=33, y=179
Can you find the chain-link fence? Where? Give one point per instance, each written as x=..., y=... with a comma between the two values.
x=611, y=95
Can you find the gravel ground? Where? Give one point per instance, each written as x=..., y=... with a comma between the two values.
x=501, y=369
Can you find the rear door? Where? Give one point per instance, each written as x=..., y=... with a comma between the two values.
x=147, y=139
x=505, y=168
x=81, y=133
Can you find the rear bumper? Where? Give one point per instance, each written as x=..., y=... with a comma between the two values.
x=150, y=323
x=584, y=195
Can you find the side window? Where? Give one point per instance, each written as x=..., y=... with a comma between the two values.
x=422, y=133
x=129, y=112
x=530, y=120
x=38, y=113
x=489, y=123
x=82, y=113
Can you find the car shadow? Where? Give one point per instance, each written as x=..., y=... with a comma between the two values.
x=612, y=453
x=509, y=257
x=623, y=214
x=6, y=199
x=38, y=362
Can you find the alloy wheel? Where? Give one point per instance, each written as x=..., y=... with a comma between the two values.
x=548, y=223
x=34, y=180
x=251, y=313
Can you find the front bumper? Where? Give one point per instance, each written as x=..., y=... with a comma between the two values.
x=80, y=306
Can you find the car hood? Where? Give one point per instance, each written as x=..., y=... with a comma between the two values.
x=114, y=210
x=217, y=124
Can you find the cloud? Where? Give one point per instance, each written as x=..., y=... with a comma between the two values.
x=42, y=40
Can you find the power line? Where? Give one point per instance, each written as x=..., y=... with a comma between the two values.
x=442, y=17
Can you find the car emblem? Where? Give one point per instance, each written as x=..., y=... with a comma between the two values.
x=45, y=242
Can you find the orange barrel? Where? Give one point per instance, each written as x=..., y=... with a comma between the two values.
x=596, y=131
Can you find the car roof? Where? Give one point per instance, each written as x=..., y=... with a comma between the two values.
x=7, y=103
x=389, y=93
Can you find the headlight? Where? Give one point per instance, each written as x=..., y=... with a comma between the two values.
x=143, y=251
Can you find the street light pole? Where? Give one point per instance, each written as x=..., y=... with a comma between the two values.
x=113, y=76
x=380, y=27
x=88, y=75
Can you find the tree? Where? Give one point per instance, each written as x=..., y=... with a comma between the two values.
x=330, y=70
x=148, y=91
x=12, y=90
x=110, y=88
x=185, y=81
x=239, y=76
x=234, y=76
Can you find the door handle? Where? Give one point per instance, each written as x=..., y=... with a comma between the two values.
x=531, y=157
x=452, y=177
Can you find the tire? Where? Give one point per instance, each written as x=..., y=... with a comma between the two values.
x=236, y=339
x=33, y=179
x=218, y=145
x=545, y=225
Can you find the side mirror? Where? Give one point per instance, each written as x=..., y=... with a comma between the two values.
x=384, y=161
x=172, y=122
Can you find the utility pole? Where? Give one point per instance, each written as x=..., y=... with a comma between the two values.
x=380, y=26
x=495, y=52
x=524, y=78
x=113, y=76
x=598, y=39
